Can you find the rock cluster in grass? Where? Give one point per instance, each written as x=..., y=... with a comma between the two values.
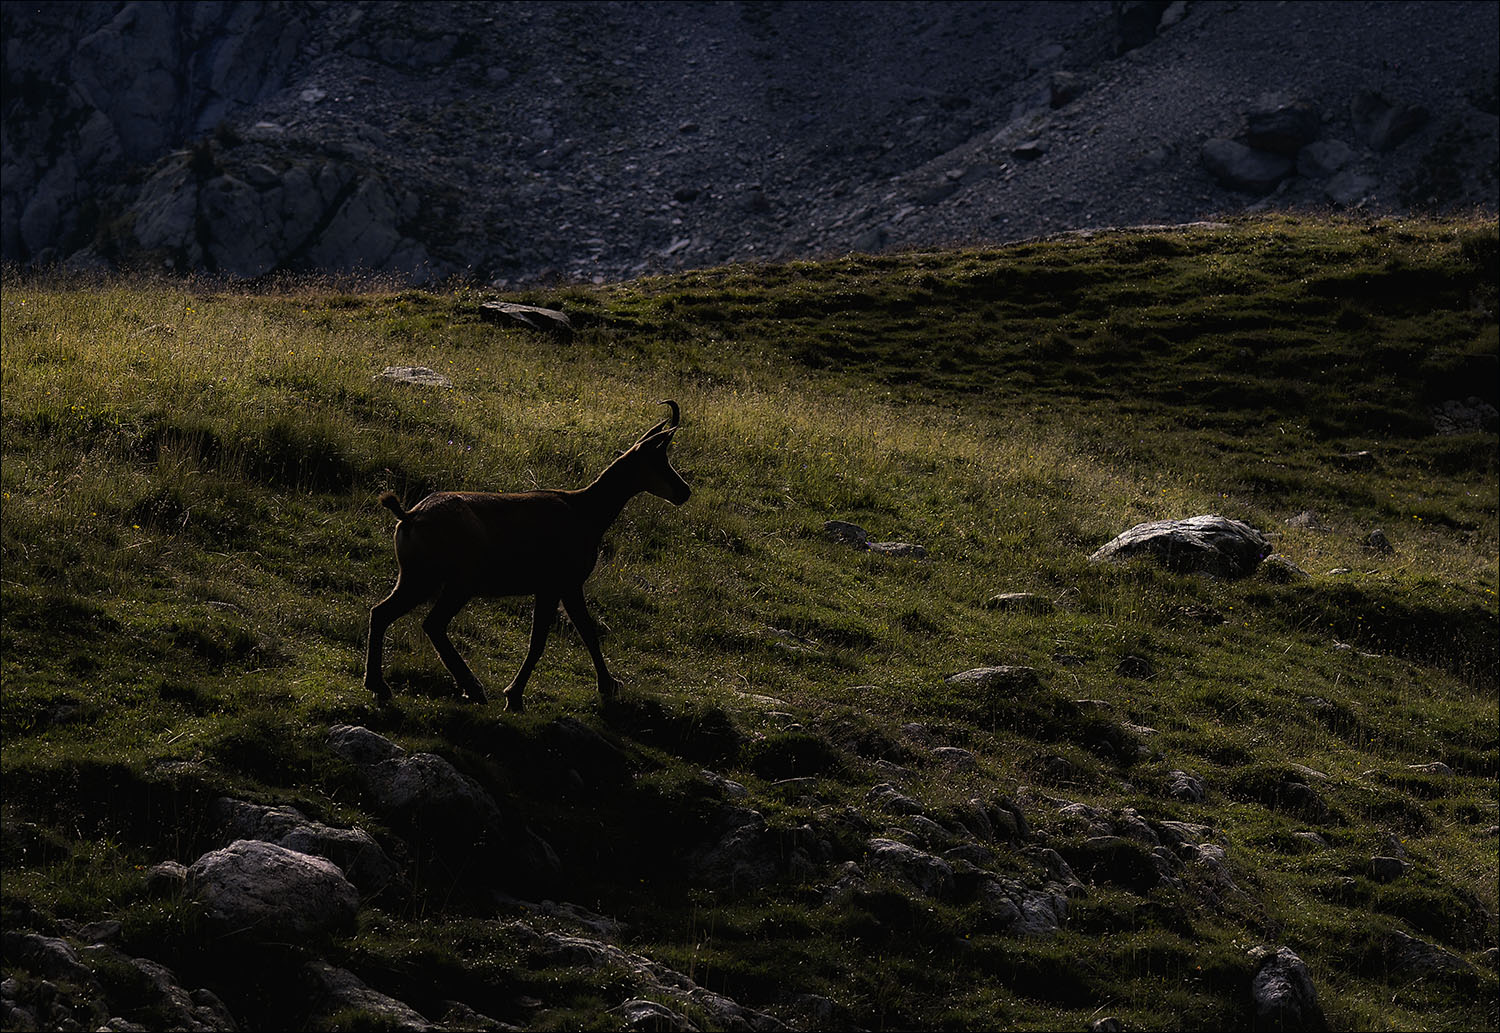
x=72, y=973
x=250, y=138
x=845, y=533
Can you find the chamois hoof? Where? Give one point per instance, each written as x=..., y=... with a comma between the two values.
x=513, y=702
x=382, y=692
x=475, y=695
x=610, y=690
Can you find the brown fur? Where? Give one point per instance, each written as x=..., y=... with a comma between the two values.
x=455, y=545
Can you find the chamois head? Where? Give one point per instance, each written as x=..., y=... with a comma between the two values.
x=647, y=461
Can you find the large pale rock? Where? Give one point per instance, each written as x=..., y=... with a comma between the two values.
x=547, y=320
x=271, y=892
x=1210, y=544
x=1006, y=677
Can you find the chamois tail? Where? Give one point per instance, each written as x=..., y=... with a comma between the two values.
x=389, y=501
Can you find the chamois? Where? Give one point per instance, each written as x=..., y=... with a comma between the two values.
x=455, y=545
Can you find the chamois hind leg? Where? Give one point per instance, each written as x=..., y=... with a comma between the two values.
x=449, y=602
x=404, y=598
x=541, y=623
x=578, y=613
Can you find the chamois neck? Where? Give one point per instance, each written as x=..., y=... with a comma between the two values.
x=609, y=492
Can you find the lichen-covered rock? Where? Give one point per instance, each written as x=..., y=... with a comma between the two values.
x=271, y=892
x=1209, y=544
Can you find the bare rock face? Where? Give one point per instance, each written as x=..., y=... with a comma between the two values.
x=1008, y=122
x=1209, y=544
x=271, y=892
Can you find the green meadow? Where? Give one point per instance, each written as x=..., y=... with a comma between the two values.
x=192, y=541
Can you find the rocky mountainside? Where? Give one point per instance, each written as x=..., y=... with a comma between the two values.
x=524, y=142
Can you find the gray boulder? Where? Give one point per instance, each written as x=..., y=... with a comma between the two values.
x=1469, y=416
x=271, y=892
x=1282, y=124
x=419, y=375
x=1322, y=158
x=1185, y=787
x=928, y=873
x=1351, y=187
x=1209, y=544
x=1024, y=602
x=1243, y=168
x=1283, y=991
x=440, y=809
x=362, y=860
x=1385, y=124
x=1010, y=907
x=200, y=1011
x=741, y=854
x=1004, y=677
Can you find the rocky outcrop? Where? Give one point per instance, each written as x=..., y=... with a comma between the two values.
x=359, y=857
x=442, y=813
x=412, y=142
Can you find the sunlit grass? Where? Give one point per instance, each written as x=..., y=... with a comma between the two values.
x=191, y=542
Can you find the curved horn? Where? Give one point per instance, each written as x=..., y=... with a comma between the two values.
x=669, y=424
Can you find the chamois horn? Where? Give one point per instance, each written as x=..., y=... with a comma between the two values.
x=668, y=424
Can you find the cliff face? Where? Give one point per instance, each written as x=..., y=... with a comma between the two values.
x=517, y=142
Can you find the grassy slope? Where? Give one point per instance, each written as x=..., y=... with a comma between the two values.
x=191, y=543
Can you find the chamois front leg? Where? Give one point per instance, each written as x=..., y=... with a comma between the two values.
x=436, y=625
x=541, y=624
x=578, y=613
x=402, y=600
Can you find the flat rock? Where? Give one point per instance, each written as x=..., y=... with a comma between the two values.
x=1208, y=544
x=547, y=320
x=420, y=375
x=1002, y=676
